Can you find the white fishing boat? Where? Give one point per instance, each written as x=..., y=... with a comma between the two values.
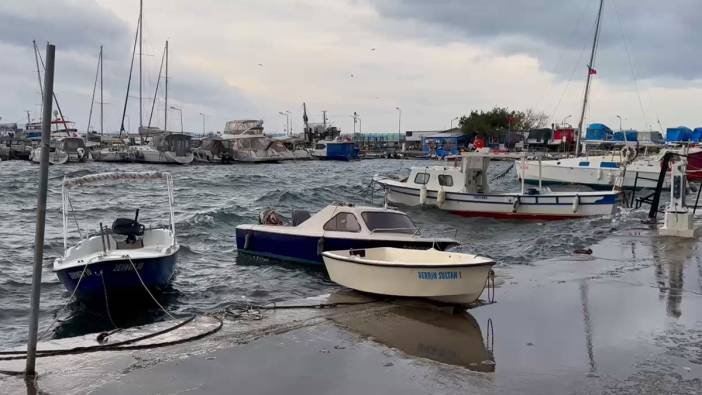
x=63, y=150
x=465, y=191
x=448, y=277
x=164, y=147
x=249, y=144
x=121, y=259
x=599, y=171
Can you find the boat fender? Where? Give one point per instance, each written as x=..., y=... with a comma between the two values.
x=515, y=204
x=81, y=152
x=320, y=246
x=423, y=195
x=440, y=197
x=576, y=203
x=247, y=241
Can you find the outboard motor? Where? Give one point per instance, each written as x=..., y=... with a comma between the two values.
x=129, y=227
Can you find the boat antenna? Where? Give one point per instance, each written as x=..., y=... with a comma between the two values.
x=92, y=98
x=590, y=72
x=158, y=80
x=129, y=80
x=58, y=107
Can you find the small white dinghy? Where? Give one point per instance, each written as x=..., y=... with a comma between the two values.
x=443, y=276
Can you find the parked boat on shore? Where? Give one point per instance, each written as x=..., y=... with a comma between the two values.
x=465, y=191
x=336, y=227
x=122, y=259
x=447, y=277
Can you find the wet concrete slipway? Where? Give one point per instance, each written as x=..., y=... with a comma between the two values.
x=625, y=319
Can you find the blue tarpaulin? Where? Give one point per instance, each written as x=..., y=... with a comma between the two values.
x=679, y=134
x=631, y=135
x=696, y=135
x=598, y=131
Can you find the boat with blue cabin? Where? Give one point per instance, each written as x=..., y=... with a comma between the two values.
x=339, y=226
x=125, y=259
x=335, y=150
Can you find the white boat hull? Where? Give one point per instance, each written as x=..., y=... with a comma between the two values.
x=155, y=156
x=554, y=173
x=555, y=205
x=444, y=282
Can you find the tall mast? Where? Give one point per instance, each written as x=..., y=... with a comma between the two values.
x=92, y=98
x=590, y=71
x=129, y=80
x=36, y=59
x=165, y=102
x=101, y=101
x=158, y=80
x=141, y=33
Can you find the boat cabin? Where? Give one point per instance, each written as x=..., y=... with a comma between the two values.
x=470, y=177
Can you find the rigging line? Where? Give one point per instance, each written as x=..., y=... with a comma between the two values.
x=129, y=80
x=147, y=289
x=561, y=57
x=631, y=64
x=107, y=304
x=576, y=65
x=58, y=107
x=92, y=98
x=158, y=80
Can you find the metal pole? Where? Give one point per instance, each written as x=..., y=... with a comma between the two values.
x=41, y=210
x=203, y=123
x=101, y=100
x=165, y=100
x=141, y=38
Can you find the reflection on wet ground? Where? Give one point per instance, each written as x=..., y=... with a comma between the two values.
x=454, y=339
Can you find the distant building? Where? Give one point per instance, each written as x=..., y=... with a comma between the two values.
x=443, y=144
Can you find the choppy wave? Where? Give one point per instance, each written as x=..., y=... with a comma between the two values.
x=210, y=202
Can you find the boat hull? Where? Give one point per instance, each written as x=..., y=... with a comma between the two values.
x=118, y=277
x=546, y=207
x=301, y=249
x=448, y=284
x=590, y=176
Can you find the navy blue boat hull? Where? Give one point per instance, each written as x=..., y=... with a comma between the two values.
x=307, y=249
x=118, y=277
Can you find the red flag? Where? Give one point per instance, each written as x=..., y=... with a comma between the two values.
x=592, y=71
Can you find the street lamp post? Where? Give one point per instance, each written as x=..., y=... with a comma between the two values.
x=203, y=123
x=563, y=122
x=620, y=122
x=399, y=125
x=453, y=119
x=181, y=116
x=286, y=114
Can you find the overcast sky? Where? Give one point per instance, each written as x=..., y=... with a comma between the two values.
x=434, y=59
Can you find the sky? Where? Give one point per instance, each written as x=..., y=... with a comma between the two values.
x=434, y=60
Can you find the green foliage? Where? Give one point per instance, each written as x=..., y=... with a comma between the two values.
x=499, y=120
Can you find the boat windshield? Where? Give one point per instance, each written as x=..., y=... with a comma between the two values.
x=381, y=221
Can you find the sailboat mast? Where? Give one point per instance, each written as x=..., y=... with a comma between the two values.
x=129, y=80
x=36, y=59
x=92, y=98
x=101, y=101
x=590, y=71
x=165, y=102
x=141, y=33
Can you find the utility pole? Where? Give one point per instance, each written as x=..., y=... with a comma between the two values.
x=355, y=118
x=324, y=119
x=41, y=211
x=399, y=125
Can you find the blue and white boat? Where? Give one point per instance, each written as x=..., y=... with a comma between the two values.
x=338, y=226
x=125, y=259
x=335, y=150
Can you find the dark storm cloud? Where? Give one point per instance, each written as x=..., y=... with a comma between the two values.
x=663, y=36
x=71, y=25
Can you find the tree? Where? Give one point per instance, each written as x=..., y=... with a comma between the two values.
x=498, y=120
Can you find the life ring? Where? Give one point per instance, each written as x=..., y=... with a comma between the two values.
x=629, y=153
